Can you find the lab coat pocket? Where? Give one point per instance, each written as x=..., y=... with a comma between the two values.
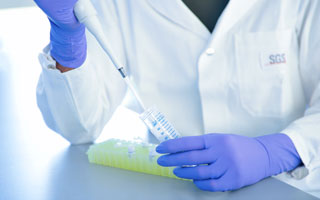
x=262, y=62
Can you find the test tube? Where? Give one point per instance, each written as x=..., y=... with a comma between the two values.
x=159, y=125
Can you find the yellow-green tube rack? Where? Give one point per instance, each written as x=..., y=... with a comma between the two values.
x=130, y=155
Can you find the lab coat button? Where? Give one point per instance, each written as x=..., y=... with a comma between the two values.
x=210, y=51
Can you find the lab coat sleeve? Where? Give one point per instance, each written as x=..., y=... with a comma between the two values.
x=305, y=132
x=77, y=104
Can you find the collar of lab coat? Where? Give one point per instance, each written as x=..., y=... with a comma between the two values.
x=178, y=13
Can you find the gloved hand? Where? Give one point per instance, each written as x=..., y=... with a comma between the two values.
x=228, y=162
x=67, y=35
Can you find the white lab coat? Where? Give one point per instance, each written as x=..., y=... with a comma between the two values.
x=258, y=73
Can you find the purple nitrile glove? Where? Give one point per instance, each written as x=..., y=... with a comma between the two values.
x=68, y=41
x=227, y=161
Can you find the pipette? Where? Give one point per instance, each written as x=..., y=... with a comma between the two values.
x=155, y=120
x=87, y=14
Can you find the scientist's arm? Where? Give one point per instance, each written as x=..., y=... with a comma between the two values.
x=227, y=162
x=79, y=102
x=304, y=132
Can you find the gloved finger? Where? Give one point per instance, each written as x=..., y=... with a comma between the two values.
x=196, y=157
x=200, y=172
x=181, y=144
x=213, y=185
